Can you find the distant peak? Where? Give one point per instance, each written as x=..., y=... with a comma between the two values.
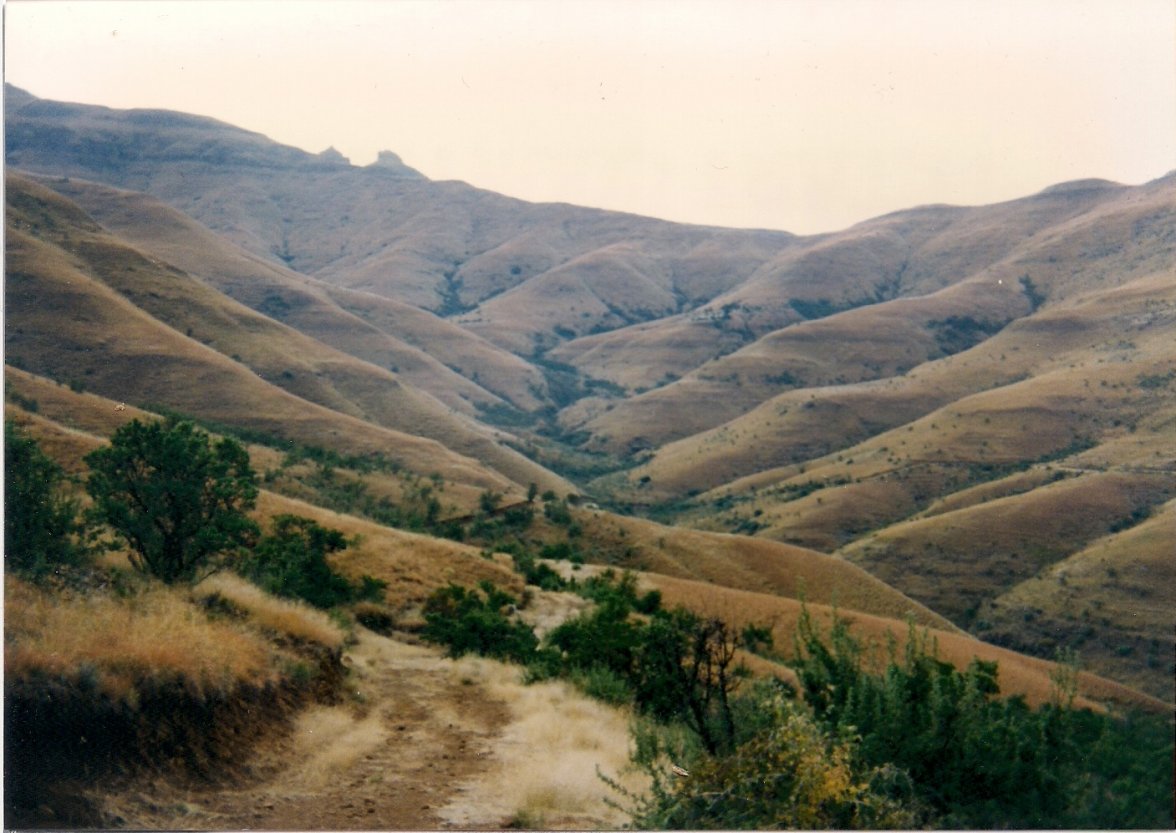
x=333, y=156
x=388, y=159
x=389, y=162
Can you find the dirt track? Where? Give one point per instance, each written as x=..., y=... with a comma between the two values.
x=412, y=730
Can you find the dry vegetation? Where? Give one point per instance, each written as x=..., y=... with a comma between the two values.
x=122, y=645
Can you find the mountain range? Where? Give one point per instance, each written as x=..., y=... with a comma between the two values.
x=966, y=414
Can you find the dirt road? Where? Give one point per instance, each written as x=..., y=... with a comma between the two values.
x=420, y=742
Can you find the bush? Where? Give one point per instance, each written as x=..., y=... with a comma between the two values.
x=177, y=497
x=41, y=526
x=292, y=561
x=979, y=761
x=475, y=621
x=793, y=775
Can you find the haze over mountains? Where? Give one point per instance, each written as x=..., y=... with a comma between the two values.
x=977, y=405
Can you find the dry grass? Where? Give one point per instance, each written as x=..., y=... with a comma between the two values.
x=951, y=560
x=281, y=616
x=545, y=762
x=413, y=565
x=754, y=564
x=1114, y=602
x=157, y=636
x=145, y=325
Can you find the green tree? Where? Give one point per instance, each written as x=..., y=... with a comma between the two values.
x=174, y=494
x=40, y=522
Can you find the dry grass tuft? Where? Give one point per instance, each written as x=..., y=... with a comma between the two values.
x=283, y=616
x=121, y=644
x=546, y=761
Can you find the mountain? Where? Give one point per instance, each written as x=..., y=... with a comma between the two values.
x=969, y=411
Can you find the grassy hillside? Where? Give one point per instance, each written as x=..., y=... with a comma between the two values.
x=418, y=347
x=171, y=327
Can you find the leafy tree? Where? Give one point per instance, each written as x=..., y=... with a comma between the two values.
x=40, y=523
x=174, y=494
x=292, y=561
x=686, y=670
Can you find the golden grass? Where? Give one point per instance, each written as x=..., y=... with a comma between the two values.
x=282, y=616
x=413, y=565
x=155, y=636
x=753, y=564
x=545, y=762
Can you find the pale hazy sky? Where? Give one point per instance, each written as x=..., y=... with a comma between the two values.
x=792, y=114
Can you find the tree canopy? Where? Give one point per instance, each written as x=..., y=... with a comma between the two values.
x=177, y=496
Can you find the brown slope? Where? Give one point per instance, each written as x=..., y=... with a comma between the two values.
x=418, y=346
x=1111, y=238
x=953, y=561
x=1089, y=352
x=415, y=565
x=1018, y=674
x=744, y=563
x=277, y=353
x=1110, y=602
x=65, y=324
x=444, y=246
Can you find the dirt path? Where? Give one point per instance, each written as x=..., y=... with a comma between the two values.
x=412, y=731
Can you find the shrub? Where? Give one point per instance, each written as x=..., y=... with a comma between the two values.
x=475, y=621
x=292, y=561
x=976, y=760
x=41, y=526
x=793, y=775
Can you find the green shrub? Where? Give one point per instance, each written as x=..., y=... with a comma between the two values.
x=604, y=684
x=292, y=561
x=476, y=621
x=177, y=496
x=979, y=761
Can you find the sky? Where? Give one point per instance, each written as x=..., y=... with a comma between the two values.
x=801, y=115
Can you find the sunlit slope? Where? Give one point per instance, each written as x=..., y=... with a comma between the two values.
x=84, y=308
x=1083, y=371
x=1103, y=241
x=422, y=349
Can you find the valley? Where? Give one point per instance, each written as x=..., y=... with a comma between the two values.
x=957, y=419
